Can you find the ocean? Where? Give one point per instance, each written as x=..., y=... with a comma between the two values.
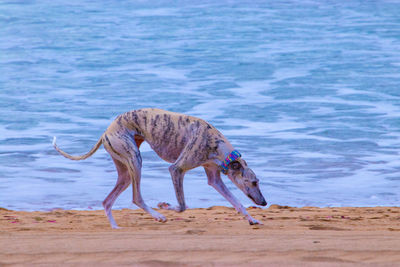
x=308, y=91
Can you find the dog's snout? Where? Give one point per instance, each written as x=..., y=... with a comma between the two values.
x=262, y=202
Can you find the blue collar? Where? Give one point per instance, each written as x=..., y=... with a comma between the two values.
x=234, y=155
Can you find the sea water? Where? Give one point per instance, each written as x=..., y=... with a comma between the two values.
x=307, y=91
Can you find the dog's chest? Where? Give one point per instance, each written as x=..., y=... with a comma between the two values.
x=168, y=151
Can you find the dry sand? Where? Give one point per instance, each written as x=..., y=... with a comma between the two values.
x=217, y=236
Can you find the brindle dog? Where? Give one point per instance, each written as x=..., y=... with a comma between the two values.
x=185, y=141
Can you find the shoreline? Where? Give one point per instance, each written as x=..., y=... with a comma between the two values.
x=215, y=236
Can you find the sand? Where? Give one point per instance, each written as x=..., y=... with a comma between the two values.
x=216, y=236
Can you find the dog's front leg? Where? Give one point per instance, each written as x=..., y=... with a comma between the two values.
x=214, y=179
x=177, y=175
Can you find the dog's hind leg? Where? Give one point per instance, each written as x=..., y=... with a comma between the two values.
x=135, y=173
x=123, y=182
x=124, y=147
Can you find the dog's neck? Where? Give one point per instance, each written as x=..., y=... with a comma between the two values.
x=224, y=149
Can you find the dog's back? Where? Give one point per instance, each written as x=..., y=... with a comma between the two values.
x=168, y=133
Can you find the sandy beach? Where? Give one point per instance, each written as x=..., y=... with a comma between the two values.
x=216, y=236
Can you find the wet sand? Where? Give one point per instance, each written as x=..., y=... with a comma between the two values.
x=216, y=236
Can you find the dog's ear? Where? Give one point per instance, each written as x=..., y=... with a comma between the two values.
x=235, y=165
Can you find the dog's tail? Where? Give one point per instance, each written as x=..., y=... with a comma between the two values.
x=91, y=152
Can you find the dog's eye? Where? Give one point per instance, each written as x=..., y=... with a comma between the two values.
x=254, y=183
x=235, y=165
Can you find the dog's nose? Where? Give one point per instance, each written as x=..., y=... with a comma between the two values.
x=263, y=202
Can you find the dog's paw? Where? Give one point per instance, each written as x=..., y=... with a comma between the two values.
x=167, y=206
x=180, y=208
x=164, y=206
x=253, y=221
x=160, y=218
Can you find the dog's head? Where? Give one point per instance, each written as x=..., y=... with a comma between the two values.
x=245, y=179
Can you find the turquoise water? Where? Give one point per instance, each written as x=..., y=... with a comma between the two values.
x=308, y=91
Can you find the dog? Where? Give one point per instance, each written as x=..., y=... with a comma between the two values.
x=185, y=141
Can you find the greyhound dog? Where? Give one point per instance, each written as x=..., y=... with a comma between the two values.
x=185, y=141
